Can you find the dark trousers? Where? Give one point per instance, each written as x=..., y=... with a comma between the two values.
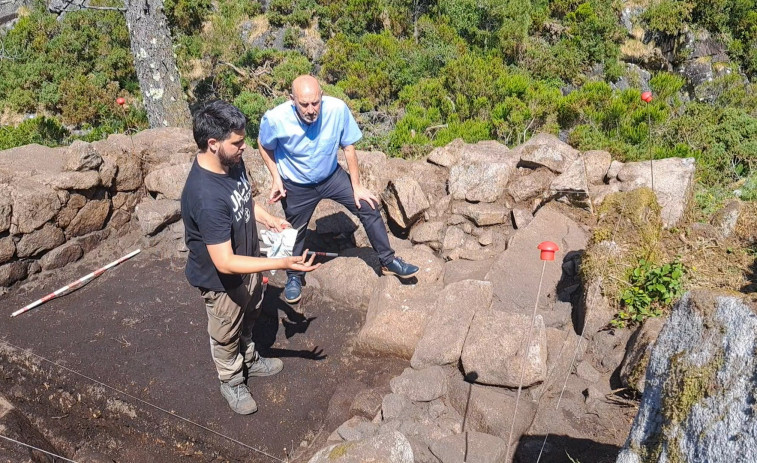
x=301, y=200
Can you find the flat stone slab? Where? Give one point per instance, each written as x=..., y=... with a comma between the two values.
x=516, y=273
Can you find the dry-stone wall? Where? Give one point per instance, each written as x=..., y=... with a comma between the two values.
x=56, y=204
x=469, y=215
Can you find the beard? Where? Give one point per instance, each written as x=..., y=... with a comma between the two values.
x=228, y=160
x=307, y=119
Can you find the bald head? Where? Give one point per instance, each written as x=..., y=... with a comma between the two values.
x=306, y=96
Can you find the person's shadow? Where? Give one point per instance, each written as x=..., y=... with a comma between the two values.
x=267, y=326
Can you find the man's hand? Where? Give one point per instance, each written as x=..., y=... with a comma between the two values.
x=278, y=224
x=362, y=193
x=277, y=191
x=302, y=263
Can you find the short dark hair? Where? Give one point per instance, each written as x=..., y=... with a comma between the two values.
x=216, y=119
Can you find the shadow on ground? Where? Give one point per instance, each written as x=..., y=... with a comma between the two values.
x=564, y=449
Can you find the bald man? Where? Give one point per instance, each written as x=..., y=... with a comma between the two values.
x=298, y=142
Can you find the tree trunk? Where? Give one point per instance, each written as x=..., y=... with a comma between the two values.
x=155, y=65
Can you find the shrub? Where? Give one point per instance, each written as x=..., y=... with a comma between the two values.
x=42, y=130
x=668, y=16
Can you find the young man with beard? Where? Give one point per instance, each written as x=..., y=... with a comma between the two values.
x=298, y=141
x=224, y=260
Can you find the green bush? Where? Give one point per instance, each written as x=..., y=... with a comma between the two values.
x=41, y=130
x=668, y=16
x=186, y=16
x=253, y=105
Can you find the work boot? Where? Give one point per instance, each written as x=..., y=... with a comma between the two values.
x=239, y=398
x=293, y=289
x=400, y=269
x=262, y=366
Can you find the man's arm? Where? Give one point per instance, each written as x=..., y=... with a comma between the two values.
x=227, y=262
x=360, y=192
x=277, y=187
x=269, y=220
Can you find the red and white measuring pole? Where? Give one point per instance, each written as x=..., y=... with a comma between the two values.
x=75, y=284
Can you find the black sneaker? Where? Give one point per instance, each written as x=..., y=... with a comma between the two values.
x=400, y=269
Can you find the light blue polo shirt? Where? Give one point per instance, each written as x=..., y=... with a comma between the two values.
x=306, y=153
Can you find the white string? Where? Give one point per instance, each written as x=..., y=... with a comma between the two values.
x=527, y=339
x=567, y=376
x=148, y=404
x=36, y=448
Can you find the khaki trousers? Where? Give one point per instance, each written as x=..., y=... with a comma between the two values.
x=231, y=316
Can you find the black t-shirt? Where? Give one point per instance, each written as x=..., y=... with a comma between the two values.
x=217, y=208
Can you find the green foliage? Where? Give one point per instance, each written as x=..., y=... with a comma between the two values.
x=297, y=13
x=42, y=130
x=374, y=68
x=651, y=289
x=253, y=105
x=668, y=16
x=748, y=191
x=186, y=16
x=54, y=60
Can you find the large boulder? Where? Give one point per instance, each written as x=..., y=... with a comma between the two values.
x=396, y=317
x=120, y=150
x=444, y=336
x=673, y=184
x=154, y=215
x=348, y=281
x=390, y=447
x=91, y=217
x=515, y=282
x=504, y=360
x=33, y=205
x=39, y=241
x=423, y=385
x=546, y=150
x=472, y=447
x=530, y=184
x=373, y=169
x=405, y=201
x=634, y=367
x=698, y=403
x=482, y=174
x=74, y=180
x=489, y=409
x=164, y=145
x=168, y=181
x=6, y=207
x=448, y=155
x=81, y=156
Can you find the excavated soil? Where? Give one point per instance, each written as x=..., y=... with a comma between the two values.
x=140, y=328
x=120, y=370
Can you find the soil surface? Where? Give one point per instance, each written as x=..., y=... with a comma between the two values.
x=141, y=329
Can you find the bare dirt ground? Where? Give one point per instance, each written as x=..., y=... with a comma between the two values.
x=140, y=328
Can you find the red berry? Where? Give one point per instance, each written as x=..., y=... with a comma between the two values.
x=646, y=97
x=120, y=100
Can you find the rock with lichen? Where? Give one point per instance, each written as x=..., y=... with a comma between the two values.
x=701, y=385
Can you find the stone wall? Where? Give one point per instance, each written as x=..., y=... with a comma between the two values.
x=56, y=204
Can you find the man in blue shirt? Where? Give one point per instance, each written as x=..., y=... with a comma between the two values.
x=298, y=141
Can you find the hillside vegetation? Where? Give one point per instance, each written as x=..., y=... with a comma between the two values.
x=420, y=73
